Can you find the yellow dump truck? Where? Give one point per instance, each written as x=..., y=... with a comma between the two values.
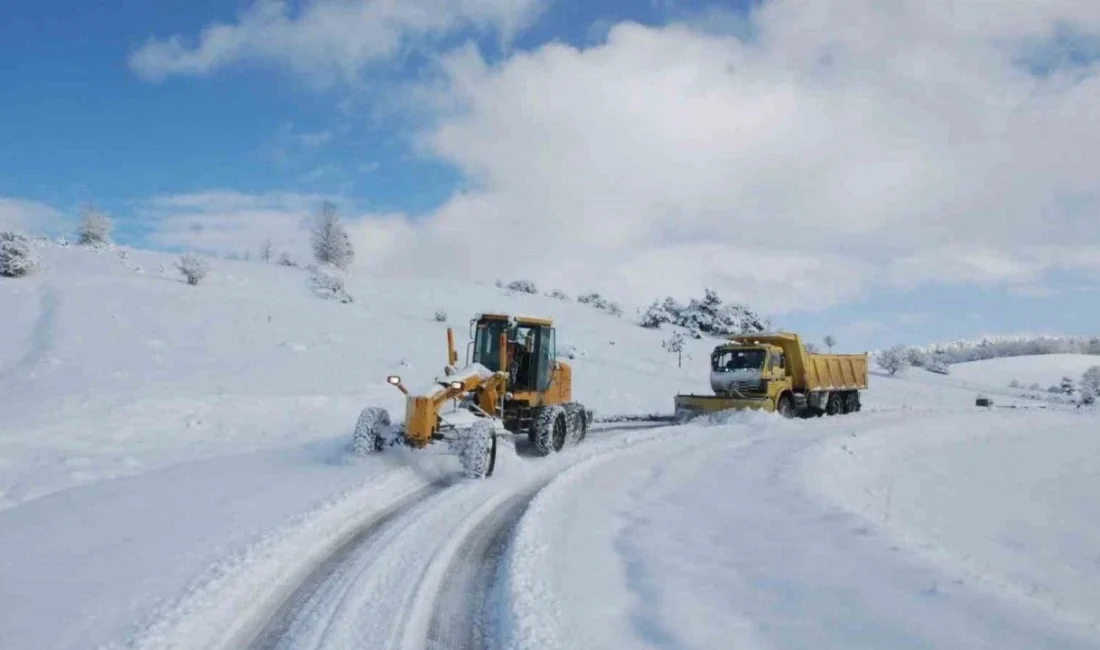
x=774, y=373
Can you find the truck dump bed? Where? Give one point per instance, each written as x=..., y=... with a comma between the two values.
x=836, y=372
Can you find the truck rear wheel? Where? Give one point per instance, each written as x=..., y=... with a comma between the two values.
x=851, y=402
x=836, y=403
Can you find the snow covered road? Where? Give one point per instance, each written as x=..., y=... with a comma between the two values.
x=710, y=540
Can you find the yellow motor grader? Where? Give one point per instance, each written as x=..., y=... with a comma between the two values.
x=512, y=383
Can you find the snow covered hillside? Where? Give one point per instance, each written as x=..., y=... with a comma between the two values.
x=175, y=473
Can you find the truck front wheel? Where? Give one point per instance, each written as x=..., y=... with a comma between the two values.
x=785, y=407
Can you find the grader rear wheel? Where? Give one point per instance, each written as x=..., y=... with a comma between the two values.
x=550, y=430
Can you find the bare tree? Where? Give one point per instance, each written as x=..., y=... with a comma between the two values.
x=675, y=344
x=265, y=251
x=829, y=342
x=331, y=244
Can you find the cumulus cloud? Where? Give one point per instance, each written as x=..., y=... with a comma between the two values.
x=826, y=149
x=232, y=222
x=325, y=41
x=25, y=216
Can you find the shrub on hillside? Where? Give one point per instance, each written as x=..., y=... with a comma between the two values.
x=95, y=229
x=557, y=294
x=327, y=283
x=893, y=360
x=599, y=302
x=522, y=286
x=193, y=267
x=17, y=258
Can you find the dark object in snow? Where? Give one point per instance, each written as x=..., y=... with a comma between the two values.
x=983, y=401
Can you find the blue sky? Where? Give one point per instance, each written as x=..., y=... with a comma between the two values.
x=904, y=215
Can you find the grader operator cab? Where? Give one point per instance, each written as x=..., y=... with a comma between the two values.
x=511, y=383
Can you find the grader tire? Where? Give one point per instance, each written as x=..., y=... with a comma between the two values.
x=477, y=450
x=576, y=420
x=370, y=430
x=550, y=430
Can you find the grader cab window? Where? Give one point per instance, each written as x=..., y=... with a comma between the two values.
x=487, y=343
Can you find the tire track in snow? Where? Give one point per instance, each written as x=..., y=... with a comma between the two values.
x=305, y=602
x=461, y=617
x=41, y=338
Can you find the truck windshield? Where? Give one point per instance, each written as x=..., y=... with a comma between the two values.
x=751, y=359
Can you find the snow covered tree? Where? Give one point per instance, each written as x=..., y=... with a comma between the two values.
x=893, y=360
x=660, y=313
x=95, y=229
x=266, y=251
x=711, y=316
x=193, y=267
x=829, y=342
x=1091, y=380
x=327, y=283
x=330, y=241
x=1067, y=386
x=557, y=294
x=16, y=256
x=1015, y=383
x=675, y=345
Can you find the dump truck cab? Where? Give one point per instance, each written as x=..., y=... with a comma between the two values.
x=747, y=369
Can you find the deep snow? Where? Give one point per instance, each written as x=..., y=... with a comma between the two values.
x=173, y=457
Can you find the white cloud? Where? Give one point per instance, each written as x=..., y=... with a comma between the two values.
x=326, y=41
x=848, y=145
x=231, y=222
x=28, y=217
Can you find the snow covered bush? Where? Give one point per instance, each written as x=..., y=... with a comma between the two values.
x=95, y=229
x=893, y=360
x=1067, y=386
x=328, y=283
x=1090, y=380
x=441, y=316
x=522, y=286
x=16, y=256
x=1015, y=383
x=193, y=267
x=284, y=260
x=557, y=294
x=599, y=302
x=330, y=241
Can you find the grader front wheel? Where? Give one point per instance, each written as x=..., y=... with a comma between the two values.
x=371, y=430
x=477, y=449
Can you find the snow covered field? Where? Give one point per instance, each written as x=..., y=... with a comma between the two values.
x=174, y=472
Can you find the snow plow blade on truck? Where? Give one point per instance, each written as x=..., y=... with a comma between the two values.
x=514, y=384
x=775, y=373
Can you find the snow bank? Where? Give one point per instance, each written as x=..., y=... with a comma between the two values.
x=1005, y=500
